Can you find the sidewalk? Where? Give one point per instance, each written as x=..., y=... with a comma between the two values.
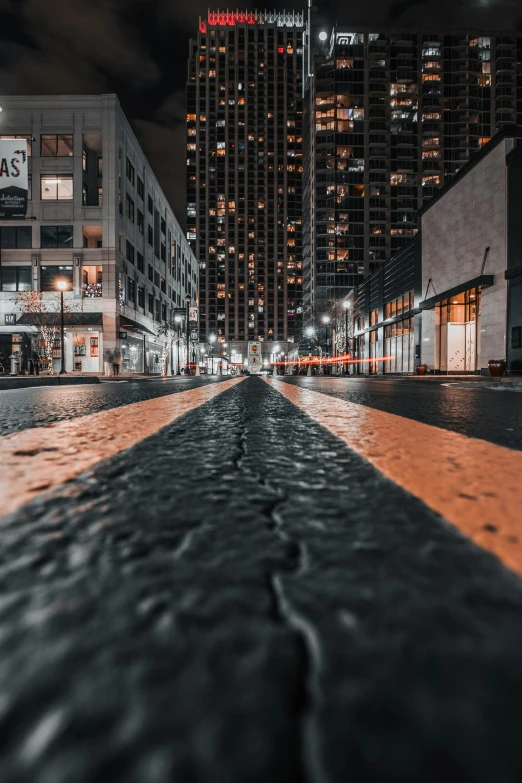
x=8, y=382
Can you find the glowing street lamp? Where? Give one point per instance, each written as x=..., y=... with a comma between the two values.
x=62, y=285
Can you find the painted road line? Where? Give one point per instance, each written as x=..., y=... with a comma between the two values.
x=473, y=484
x=39, y=459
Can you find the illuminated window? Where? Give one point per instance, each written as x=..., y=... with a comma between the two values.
x=56, y=188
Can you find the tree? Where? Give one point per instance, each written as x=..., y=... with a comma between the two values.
x=44, y=312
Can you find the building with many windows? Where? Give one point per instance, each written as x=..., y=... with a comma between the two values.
x=244, y=175
x=98, y=219
x=391, y=116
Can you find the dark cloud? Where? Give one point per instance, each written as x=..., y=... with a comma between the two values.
x=139, y=48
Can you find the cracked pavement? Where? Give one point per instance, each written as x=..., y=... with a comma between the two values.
x=240, y=597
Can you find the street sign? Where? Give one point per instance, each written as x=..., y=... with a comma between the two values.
x=14, y=179
x=194, y=335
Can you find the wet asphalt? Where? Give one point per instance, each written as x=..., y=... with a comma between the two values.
x=475, y=412
x=242, y=598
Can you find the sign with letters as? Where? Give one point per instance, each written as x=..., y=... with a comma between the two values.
x=14, y=179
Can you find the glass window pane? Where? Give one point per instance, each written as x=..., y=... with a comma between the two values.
x=49, y=189
x=8, y=236
x=65, y=189
x=24, y=278
x=48, y=147
x=24, y=237
x=9, y=278
x=65, y=236
x=48, y=236
x=65, y=146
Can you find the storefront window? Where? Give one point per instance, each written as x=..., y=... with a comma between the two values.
x=458, y=331
x=86, y=348
x=132, y=354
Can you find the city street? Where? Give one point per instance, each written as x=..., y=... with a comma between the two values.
x=222, y=580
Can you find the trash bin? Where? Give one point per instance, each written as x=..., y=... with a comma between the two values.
x=15, y=366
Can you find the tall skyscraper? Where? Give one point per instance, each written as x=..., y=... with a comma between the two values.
x=390, y=116
x=244, y=174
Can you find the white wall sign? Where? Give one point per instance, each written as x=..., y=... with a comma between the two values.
x=14, y=179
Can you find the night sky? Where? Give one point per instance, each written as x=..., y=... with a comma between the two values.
x=138, y=49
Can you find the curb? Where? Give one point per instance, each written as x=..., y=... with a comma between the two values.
x=32, y=383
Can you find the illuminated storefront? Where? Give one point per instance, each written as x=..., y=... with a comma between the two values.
x=458, y=319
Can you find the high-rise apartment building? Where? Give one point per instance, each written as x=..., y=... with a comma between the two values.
x=244, y=174
x=390, y=116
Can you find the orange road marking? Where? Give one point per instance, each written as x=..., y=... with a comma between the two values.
x=473, y=484
x=36, y=460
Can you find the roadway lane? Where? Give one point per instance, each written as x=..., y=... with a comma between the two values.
x=240, y=597
x=475, y=412
x=23, y=408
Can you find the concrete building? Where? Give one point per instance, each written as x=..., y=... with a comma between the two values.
x=472, y=264
x=460, y=280
x=98, y=219
x=244, y=175
x=390, y=117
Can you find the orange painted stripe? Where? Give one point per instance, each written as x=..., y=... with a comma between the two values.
x=475, y=485
x=36, y=460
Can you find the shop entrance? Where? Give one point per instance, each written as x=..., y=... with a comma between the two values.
x=458, y=329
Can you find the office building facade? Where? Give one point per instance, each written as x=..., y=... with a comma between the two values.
x=391, y=116
x=244, y=175
x=96, y=218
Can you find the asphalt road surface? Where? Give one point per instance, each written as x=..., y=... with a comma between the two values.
x=242, y=596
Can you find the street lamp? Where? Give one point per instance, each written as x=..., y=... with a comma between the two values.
x=178, y=319
x=326, y=320
x=62, y=286
x=346, y=305
x=212, y=339
x=187, y=302
x=310, y=332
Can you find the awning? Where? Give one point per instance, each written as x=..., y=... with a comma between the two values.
x=69, y=319
x=129, y=323
x=484, y=281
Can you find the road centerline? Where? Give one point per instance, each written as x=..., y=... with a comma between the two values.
x=473, y=484
x=39, y=459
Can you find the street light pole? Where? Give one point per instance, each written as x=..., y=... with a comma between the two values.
x=187, y=302
x=326, y=321
x=62, y=285
x=346, y=306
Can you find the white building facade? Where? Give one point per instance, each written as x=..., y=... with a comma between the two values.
x=466, y=241
x=98, y=219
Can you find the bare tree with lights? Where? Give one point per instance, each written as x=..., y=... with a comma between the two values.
x=43, y=309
